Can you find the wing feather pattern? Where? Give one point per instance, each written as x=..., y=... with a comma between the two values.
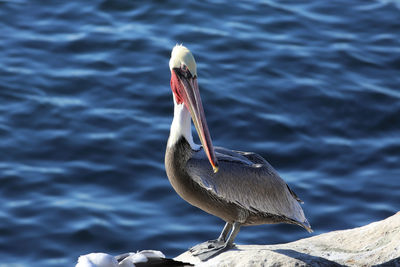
x=248, y=180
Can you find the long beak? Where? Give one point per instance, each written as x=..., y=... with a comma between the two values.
x=191, y=98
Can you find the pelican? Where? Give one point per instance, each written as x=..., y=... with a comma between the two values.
x=241, y=188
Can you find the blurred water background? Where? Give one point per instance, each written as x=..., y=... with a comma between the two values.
x=85, y=110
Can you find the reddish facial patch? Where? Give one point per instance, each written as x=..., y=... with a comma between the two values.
x=176, y=87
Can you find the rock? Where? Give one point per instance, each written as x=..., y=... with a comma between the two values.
x=376, y=244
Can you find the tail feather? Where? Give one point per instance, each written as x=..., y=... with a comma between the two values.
x=306, y=225
x=299, y=218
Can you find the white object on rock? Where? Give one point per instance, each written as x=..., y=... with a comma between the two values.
x=142, y=256
x=107, y=260
x=97, y=260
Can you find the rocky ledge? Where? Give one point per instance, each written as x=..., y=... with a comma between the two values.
x=376, y=244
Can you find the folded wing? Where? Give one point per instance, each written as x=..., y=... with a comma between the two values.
x=248, y=180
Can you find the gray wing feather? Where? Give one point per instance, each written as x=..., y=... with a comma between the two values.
x=246, y=179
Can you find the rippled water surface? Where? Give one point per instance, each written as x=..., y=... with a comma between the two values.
x=85, y=110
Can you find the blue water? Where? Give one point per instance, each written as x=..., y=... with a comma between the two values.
x=85, y=110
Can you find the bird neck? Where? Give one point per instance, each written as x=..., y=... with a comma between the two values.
x=181, y=126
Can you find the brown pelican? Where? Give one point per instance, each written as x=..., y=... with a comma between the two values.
x=241, y=188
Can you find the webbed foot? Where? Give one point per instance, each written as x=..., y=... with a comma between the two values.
x=207, y=246
x=209, y=249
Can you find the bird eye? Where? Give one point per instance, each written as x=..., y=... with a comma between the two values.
x=185, y=71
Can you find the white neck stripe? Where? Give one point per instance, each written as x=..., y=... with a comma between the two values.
x=181, y=126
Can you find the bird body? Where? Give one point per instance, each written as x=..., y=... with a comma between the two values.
x=246, y=188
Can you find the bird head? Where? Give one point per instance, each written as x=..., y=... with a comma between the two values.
x=186, y=91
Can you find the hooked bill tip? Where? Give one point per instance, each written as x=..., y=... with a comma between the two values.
x=215, y=168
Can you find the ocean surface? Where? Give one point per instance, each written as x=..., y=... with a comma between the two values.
x=85, y=111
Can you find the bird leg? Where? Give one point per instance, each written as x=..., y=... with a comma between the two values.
x=212, y=248
x=225, y=232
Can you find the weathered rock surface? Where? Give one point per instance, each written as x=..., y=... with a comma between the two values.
x=376, y=244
